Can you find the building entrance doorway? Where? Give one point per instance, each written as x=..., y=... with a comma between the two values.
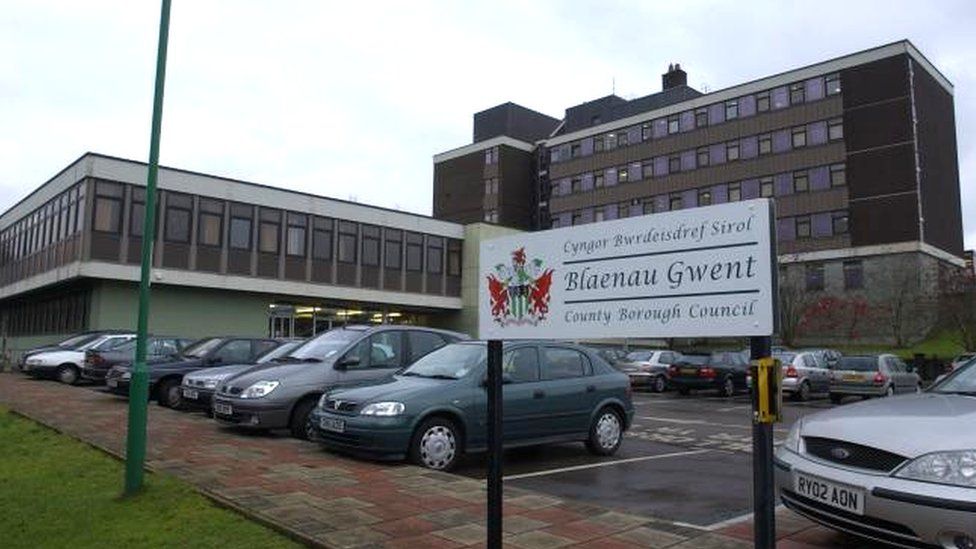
x=287, y=320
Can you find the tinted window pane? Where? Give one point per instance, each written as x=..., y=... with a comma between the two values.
x=371, y=250
x=393, y=253
x=137, y=218
x=296, y=241
x=177, y=225
x=347, y=248
x=385, y=350
x=107, y=215
x=210, y=229
x=422, y=343
x=240, y=233
x=322, y=245
x=522, y=365
x=561, y=363
x=237, y=351
x=268, y=238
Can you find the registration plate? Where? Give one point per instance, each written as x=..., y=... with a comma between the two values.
x=853, y=377
x=191, y=394
x=112, y=383
x=223, y=409
x=334, y=425
x=830, y=493
x=689, y=371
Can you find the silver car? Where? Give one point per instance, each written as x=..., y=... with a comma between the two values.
x=872, y=376
x=804, y=373
x=897, y=470
x=649, y=368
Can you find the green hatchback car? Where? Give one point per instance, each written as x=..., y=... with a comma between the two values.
x=435, y=411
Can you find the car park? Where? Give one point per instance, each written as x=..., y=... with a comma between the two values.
x=435, y=411
x=65, y=365
x=649, y=368
x=804, y=373
x=281, y=395
x=724, y=371
x=199, y=387
x=872, y=376
x=900, y=471
x=99, y=361
x=70, y=343
x=166, y=375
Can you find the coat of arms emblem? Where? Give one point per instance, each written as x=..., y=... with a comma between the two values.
x=519, y=292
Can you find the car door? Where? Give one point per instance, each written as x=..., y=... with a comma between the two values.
x=904, y=380
x=524, y=409
x=819, y=380
x=379, y=355
x=568, y=390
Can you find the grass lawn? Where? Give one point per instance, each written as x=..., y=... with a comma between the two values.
x=942, y=344
x=58, y=492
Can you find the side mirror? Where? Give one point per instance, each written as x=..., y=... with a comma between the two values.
x=345, y=362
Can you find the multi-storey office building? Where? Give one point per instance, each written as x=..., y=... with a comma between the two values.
x=859, y=153
x=230, y=257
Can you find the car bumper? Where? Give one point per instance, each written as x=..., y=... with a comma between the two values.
x=694, y=383
x=93, y=374
x=900, y=512
x=41, y=370
x=859, y=390
x=117, y=386
x=257, y=413
x=196, y=397
x=791, y=384
x=387, y=438
x=642, y=378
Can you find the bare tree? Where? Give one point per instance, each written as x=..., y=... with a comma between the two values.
x=906, y=311
x=959, y=307
x=794, y=301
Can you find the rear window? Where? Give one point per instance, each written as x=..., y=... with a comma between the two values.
x=695, y=359
x=785, y=358
x=858, y=363
x=640, y=355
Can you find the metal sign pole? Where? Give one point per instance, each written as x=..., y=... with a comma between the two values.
x=135, y=445
x=494, y=387
x=763, y=496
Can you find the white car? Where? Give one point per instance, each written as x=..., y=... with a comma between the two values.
x=649, y=368
x=66, y=365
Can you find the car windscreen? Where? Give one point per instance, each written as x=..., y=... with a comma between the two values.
x=109, y=344
x=962, y=380
x=785, y=358
x=695, y=359
x=78, y=340
x=450, y=362
x=858, y=363
x=326, y=345
x=637, y=356
x=279, y=351
x=202, y=347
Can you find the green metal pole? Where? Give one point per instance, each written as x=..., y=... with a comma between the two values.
x=135, y=446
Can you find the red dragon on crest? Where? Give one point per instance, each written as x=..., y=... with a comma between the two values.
x=519, y=293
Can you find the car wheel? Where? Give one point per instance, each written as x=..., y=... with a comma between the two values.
x=890, y=391
x=728, y=388
x=605, y=433
x=660, y=384
x=684, y=391
x=169, y=395
x=803, y=393
x=68, y=374
x=301, y=420
x=436, y=444
x=835, y=398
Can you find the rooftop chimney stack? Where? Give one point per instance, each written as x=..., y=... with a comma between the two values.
x=674, y=77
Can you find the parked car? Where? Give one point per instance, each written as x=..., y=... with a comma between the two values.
x=166, y=374
x=435, y=411
x=70, y=343
x=649, y=368
x=199, y=387
x=612, y=355
x=281, y=395
x=724, y=371
x=900, y=471
x=872, y=376
x=65, y=364
x=804, y=373
x=99, y=361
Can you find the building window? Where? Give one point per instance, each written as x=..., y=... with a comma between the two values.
x=611, y=141
x=646, y=131
x=835, y=129
x=766, y=187
x=435, y=255
x=453, y=258
x=732, y=151
x=704, y=198
x=577, y=217
x=765, y=144
x=801, y=182
x=674, y=202
x=797, y=94
x=575, y=185
x=415, y=252
x=491, y=216
x=575, y=150
x=347, y=242
x=268, y=237
x=322, y=239
x=674, y=164
x=701, y=117
x=598, y=214
x=622, y=139
x=840, y=223
x=371, y=246
x=673, y=124
x=623, y=175
x=295, y=237
x=108, y=211
x=137, y=213
x=799, y=137
x=179, y=211
x=491, y=186
x=623, y=210
x=598, y=143
x=815, y=278
x=838, y=175
x=731, y=110
x=647, y=169
x=598, y=179
x=211, y=222
x=735, y=192
x=648, y=207
x=803, y=227
x=762, y=102
x=240, y=233
x=491, y=155
x=393, y=249
x=833, y=84
x=853, y=275
x=701, y=156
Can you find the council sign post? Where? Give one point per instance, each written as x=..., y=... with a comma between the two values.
x=702, y=272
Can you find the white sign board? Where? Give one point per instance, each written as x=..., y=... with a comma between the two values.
x=701, y=272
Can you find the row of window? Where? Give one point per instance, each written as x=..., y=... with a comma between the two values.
x=818, y=225
x=58, y=315
x=491, y=156
x=800, y=181
x=797, y=93
x=58, y=219
x=853, y=276
x=303, y=234
x=816, y=133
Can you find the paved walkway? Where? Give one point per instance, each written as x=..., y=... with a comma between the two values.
x=331, y=501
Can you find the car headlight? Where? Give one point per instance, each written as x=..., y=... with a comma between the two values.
x=259, y=389
x=384, y=409
x=792, y=442
x=210, y=383
x=126, y=375
x=956, y=468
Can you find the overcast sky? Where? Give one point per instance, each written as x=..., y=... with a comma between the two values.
x=351, y=100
